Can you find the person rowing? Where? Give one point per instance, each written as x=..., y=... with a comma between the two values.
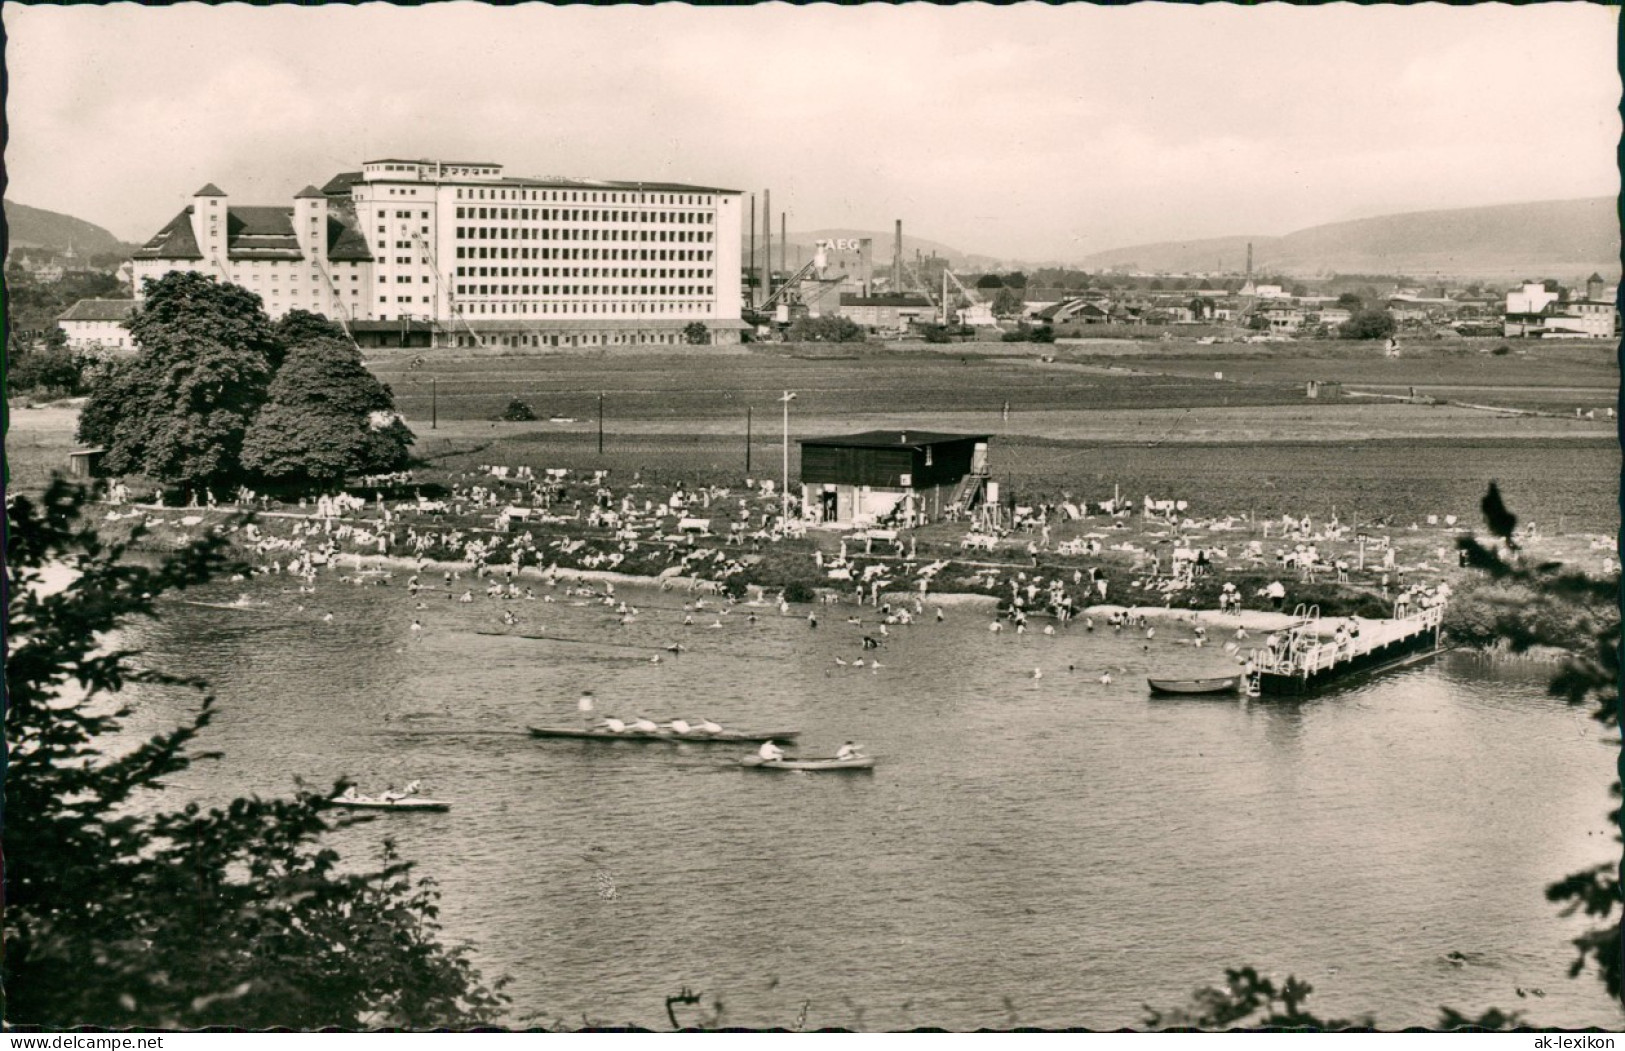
x=769, y=752
x=680, y=726
x=849, y=751
x=644, y=724
x=614, y=725
x=707, y=726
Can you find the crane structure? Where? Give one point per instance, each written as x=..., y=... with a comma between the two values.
x=441, y=282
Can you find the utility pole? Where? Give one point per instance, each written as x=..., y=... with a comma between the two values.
x=600, y=425
x=747, y=439
x=789, y=396
x=434, y=404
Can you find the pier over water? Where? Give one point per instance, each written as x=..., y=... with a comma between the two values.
x=1317, y=651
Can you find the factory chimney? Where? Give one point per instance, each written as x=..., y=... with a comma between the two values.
x=1249, y=262
x=752, y=270
x=767, y=244
x=784, y=239
x=897, y=261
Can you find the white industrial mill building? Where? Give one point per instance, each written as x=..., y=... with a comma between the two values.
x=471, y=257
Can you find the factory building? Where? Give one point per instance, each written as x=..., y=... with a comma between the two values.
x=887, y=313
x=891, y=476
x=476, y=257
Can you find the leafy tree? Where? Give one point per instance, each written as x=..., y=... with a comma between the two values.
x=106, y=381
x=302, y=326
x=830, y=329
x=50, y=368
x=325, y=417
x=1367, y=324
x=696, y=333
x=518, y=412
x=1250, y=1001
x=1015, y=280
x=180, y=307
x=120, y=913
x=990, y=282
x=1350, y=301
x=1008, y=303
x=179, y=411
x=1258, y=322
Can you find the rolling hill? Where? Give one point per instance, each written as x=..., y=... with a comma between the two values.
x=1538, y=239
x=37, y=228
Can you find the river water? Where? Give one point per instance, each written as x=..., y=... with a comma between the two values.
x=1045, y=851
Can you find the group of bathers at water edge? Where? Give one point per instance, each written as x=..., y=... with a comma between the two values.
x=641, y=724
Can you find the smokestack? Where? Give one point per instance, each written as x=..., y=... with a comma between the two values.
x=752, y=270
x=784, y=239
x=897, y=261
x=767, y=242
x=1249, y=260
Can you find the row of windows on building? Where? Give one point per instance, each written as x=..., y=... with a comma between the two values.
x=560, y=309
x=584, y=196
x=293, y=276
x=583, y=290
x=577, y=271
x=584, y=339
x=576, y=215
x=652, y=255
x=545, y=233
x=280, y=265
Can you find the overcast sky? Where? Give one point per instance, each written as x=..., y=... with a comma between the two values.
x=1029, y=132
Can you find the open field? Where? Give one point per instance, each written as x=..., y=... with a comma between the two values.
x=971, y=380
x=705, y=387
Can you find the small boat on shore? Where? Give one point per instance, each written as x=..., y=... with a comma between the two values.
x=728, y=736
x=403, y=803
x=756, y=762
x=1227, y=684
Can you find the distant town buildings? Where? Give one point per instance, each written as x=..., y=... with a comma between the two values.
x=97, y=325
x=1534, y=310
x=468, y=256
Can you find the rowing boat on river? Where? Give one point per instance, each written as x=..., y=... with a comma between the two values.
x=730, y=736
x=756, y=762
x=408, y=803
x=1226, y=684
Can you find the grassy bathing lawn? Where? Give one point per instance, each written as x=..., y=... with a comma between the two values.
x=1074, y=426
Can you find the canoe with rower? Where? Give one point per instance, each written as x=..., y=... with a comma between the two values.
x=1226, y=684
x=729, y=736
x=403, y=803
x=756, y=762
